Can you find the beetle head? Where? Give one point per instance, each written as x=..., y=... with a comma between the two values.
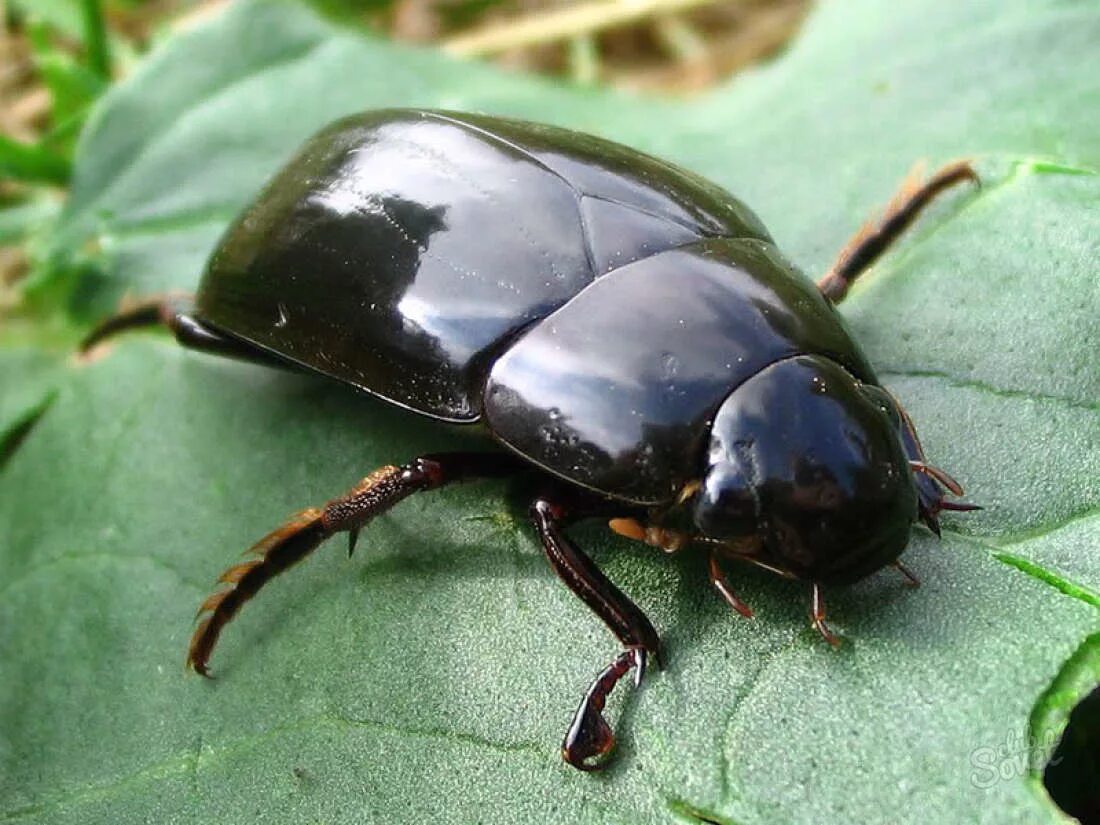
x=807, y=473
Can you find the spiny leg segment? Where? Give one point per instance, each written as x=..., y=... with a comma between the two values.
x=876, y=236
x=304, y=532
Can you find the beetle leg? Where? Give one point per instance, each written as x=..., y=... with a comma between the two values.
x=930, y=481
x=718, y=579
x=303, y=533
x=170, y=312
x=876, y=235
x=913, y=581
x=817, y=615
x=589, y=737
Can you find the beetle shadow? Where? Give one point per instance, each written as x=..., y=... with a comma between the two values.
x=782, y=605
x=471, y=560
x=370, y=420
x=457, y=560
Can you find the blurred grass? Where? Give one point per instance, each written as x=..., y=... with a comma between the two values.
x=58, y=56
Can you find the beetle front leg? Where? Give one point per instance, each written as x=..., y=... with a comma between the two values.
x=931, y=481
x=302, y=534
x=590, y=738
x=718, y=579
x=817, y=617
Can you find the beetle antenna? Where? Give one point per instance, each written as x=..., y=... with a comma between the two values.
x=689, y=490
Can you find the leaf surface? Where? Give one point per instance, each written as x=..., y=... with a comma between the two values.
x=431, y=677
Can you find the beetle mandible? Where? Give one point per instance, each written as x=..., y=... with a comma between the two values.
x=623, y=328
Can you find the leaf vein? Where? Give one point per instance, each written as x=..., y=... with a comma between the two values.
x=191, y=762
x=981, y=386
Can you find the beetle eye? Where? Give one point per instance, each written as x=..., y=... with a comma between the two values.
x=726, y=506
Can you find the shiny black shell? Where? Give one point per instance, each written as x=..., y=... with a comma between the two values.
x=590, y=304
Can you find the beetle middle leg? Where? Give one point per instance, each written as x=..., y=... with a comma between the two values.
x=303, y=533
x=590, y=737
x=877, y=235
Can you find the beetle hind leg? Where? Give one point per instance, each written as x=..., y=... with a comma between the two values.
x=876, y=236
x=303, y=533
x=278, y=550
x=173, y=313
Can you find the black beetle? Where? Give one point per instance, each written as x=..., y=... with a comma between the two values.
x=617, y=323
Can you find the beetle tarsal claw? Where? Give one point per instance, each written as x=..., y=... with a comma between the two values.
x=590, y=738
x=353, y=538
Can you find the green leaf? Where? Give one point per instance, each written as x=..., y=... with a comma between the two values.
x=31, y=162
x=432, y=676
x=97, y=51
x=64, y=15
x=73, y=86
x=23, y=219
